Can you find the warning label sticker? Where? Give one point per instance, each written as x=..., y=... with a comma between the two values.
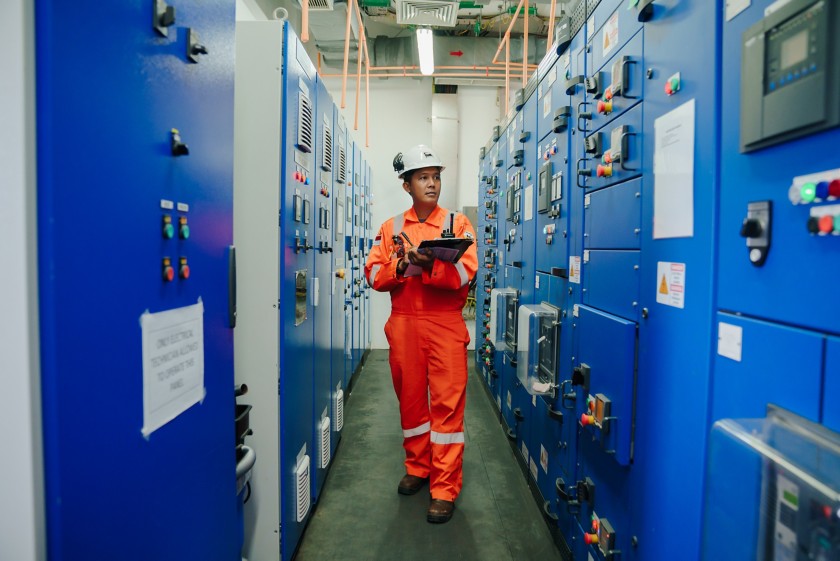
x=610, y=34
x=574, y=269
x=670, y=284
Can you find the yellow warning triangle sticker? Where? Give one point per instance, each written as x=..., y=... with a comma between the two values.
x=663, y=286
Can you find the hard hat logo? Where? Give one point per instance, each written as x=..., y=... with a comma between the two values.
x=398, y=163
x=420, y=156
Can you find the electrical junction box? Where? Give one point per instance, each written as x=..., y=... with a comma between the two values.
x=790, y=80
x=537, y=347
x=773, y=490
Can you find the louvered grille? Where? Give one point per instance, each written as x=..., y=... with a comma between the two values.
x=326, y=152
x=324, y=442
x=338, y=410
x=302, y=486
x=304, y=142
x=342, y=165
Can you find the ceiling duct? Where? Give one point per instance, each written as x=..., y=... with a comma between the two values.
x=453, y=51
x=429, y=12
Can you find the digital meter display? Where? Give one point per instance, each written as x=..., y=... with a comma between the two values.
x=795, y=49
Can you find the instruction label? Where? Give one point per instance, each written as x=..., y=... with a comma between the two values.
x=670, y=284
x=173, y=364
x=730, y=340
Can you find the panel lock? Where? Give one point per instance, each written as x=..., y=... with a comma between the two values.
x=194, y=48
x=756, y=229
x=593, y=144
x=595, y=84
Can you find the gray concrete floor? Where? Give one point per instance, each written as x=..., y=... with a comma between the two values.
x=360, y=515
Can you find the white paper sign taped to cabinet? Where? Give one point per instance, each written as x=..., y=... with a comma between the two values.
x=173, y=364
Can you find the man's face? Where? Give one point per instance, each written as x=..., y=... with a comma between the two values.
x=424, y=186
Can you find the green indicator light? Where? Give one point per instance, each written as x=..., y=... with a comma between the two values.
x=837, y=223
x=808, y=192
x=168, y=231
x=791, y=498
x=185, y=232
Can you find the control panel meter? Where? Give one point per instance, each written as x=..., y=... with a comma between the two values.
x=790, y=78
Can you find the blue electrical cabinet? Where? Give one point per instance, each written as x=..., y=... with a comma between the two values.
x=358, y=262
x=323, y=286
x=340, y=279
x=352, y=271
x=135, y=175
x=297, y=265
x=781, y=187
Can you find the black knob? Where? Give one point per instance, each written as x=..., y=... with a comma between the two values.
x=751, y=228
x=813, y=225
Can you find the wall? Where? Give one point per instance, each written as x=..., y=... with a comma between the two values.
x=21, y=474
x=401, y=115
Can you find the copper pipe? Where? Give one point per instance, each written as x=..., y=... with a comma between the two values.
x=367, y=99
x=358, y=83
x=549, y=41
x=346, y=56
x=525, y=48
x=507, y=75
x=304, y=23
x=507, y=33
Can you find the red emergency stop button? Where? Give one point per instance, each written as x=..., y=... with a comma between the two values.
x=604, y=171
x=590, y=538
x=587, y=420
x=826, y=224
x=605, y=107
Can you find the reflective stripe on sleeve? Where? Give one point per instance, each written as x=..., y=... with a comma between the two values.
x=462, y=272
x=372, y=277
x=416, y=431
x=398, y=224
x=447, y=437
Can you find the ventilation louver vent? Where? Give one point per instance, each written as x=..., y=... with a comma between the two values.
x=429, y=12
x=324, y=443
x=319, y=5
x=326, y=152
x=338, y=411
x=342, y=165
x=302, y=486
x=304, y=136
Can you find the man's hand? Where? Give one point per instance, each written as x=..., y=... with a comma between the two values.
x=423, y=258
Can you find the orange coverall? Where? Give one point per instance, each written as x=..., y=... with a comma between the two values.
x=428, y=341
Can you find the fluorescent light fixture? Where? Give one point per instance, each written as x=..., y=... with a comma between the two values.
x=426, y=51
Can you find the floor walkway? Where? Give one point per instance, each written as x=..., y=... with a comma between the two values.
x=360, y=516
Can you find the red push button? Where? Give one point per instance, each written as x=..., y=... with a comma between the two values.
x=834, y=189
x=587, y=420
x=826, y=224
x=168, y=271
x=590, y=538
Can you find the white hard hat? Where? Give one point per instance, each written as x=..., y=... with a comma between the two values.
x=418, y=157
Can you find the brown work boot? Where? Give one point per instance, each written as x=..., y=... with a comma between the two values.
x=440, y=511
x=410, y=484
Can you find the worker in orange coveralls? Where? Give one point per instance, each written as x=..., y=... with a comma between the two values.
x=426, y=331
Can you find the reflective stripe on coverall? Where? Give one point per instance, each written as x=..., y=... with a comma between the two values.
x=428, y=340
